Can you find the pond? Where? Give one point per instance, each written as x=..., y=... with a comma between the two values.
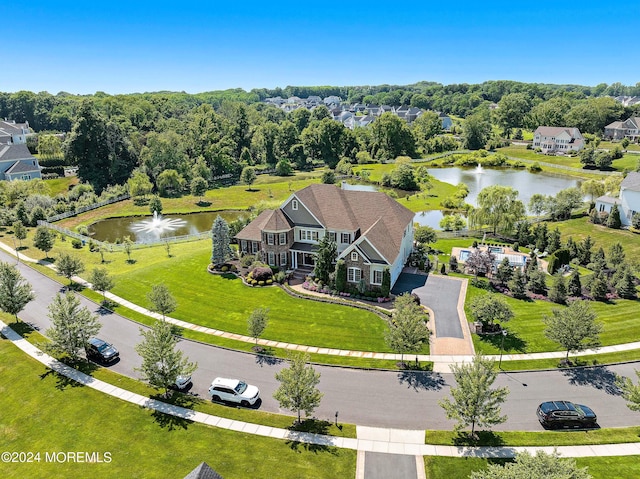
x=141, y=230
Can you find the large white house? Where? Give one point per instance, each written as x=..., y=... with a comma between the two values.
x=628, y=201
x=557, y=139
x=372, y=232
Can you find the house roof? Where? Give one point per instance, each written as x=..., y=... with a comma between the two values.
x=377, y=216
x=21, y=166
x=12, y=128
x=608, y=200
x=203, y=471
x=268, y=220
x=277, y=221
x=15, y=152
x=556, y=130
x=631, y=181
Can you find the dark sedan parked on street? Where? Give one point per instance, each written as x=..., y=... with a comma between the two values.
x=557, y=414
x=101, y=351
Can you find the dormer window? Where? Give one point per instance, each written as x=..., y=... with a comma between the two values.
x=294, y=205
x=354, y=256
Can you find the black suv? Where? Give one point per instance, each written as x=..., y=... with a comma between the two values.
x=102, y=351
x=556, y=414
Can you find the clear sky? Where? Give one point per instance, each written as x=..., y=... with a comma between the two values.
x=195, y=46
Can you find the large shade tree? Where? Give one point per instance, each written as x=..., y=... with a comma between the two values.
x=15, y=291
x=408, y=330
x=575, y=328
x=498, y=207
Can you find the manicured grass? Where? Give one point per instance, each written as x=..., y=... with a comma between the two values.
x=589, y=360
x=610, y=145
x=43, y=412
x=580, y=228
x=61, y=185
x=629, y=161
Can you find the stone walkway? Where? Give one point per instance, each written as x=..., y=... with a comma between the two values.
x=441, y=361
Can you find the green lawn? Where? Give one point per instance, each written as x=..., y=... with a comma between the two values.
x=610, y=145
x=579, y=228
x=61, y=185
x=43, y=412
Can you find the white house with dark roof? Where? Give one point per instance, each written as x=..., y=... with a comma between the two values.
x=12, y=132
x=372, y=232
x=630, y=128
x=17, y=163
x=628, y=200
x=557, y=139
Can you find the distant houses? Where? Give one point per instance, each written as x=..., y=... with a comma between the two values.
x=356, y=114
x=557, y=139
x=630, y=128
x=628, y=200
x=16, y=162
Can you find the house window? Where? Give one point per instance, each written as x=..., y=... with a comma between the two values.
x=271, y=258
x=243, y=246
x=332, y=236
x=294, y=205
x=254, y=247
x=283, y=238
x=308, y=235
x=354, y=256
x=354, y=275
x=377, y=276
x=283, y=259
x=601, y=208
x=270, y=238
x=345, y=238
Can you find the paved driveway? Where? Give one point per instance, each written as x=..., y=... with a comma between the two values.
x=438, y=293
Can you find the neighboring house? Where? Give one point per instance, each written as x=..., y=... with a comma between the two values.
x=554, y=139
x=627, y=100
x=12, y=132
x=447, y=123
x=372, y=232
x=630, y=128
x=628, y=200
x=332, y=100
x=17, y=163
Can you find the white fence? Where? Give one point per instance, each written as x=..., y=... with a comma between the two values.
x=83, y=209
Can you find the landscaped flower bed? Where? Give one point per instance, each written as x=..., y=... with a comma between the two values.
x=324, y=289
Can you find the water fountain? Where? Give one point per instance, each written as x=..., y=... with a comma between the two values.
x=479, y=170
x=157, y=225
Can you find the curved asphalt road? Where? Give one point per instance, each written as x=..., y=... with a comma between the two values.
x=404, y=400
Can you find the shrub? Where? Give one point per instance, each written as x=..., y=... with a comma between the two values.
x=269, y=281
x=535, y=167
x=247, y=260
x=224, y=269
x=254, y=282
x=260, y=283
x=76, y=243
x=262, y=273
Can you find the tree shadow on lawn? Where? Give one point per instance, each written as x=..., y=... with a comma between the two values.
x=597, y=377
x=512, y=342
x=62, y=381
x=421, y=380
x=174, y=403
x=300, y=431
x=266, y=356
x=23, y=329
x=481, y=438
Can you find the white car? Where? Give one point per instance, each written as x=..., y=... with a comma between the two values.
x=234, y=390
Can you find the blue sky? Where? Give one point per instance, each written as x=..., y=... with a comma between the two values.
x=195, y=46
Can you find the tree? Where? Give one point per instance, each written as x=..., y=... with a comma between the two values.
x=128, y=246
x=512, y=110
x=476, y=130
x=425, y=127
x=499, y=207
x=297, y=390
x=574, y=328
x=15, y=291
x=341, y=275
x=594, y=188
x=613, y=220
x=221, y=250
x=537, y=281
x=248, y=175
x=257, y=322
x=504, y=271
x=585, y=250
x=199, y=187
x=598, y=287
x=44, y=239
x=162, y=301
x=284, y=168
x=139, y=184
x=518, y=284
x=391, y=137
x=328, y=177
x=170, y=183
x=558, y=291
x=19, y=231
x=489, y=308
x=574, y=288
x=155, y=205
x=454, y=222
x=564, y=202
x=71, y=325
x=625, y=143
x=540, y=466
x=630, y=391
x=326, y=254
x=473, y=401
x=162, y=363
x=403, y=176
x=626, y=286
x=49, y=146
x=425, y=235
x=616, y=254
x=480, y=262
x=538, y=204
x=102, y=281
x=408, y=328
x=69, y=265
x=385, y=287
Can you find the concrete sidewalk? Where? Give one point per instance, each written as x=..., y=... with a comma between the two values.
x=376, y=440
x=441, y=362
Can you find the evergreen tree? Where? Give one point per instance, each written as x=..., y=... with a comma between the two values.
x=341, y=276
x=518, y=284
x=473, y=401
x=554, y=243
x=575, y=328
x=15, y=291
x=504, y=272
x=162, y=363
x=297, y=390
x=221, y=250
x=326, y=254
x=616, y=255
x=537, y=282
x=598, y=287
x=453, y=264
x=558, y=291
x=573, y=248
x=626, y=286
x=613, y=220
x=385, y=287
x=574, y=288
x=155, y=205
x=599, y=261
x=532, y=265
x=584, y=251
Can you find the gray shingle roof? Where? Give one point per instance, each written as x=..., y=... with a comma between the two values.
x=631, y=181
x=21, y=166
x=203, y=471
x=15, y=152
